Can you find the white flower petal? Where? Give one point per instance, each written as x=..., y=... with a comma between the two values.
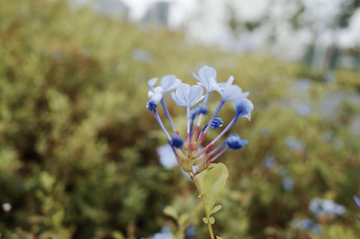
x=156, y=98
x=170, y=82
x=196, y=92
x=177, y=101
x=152, y=82
x=183, y=93
x=207, y=73
x=230, y=81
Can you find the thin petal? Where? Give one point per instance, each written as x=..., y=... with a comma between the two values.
x=152, y=82
x=230, y=80
x=232, y=93
x=170, y=82
x=183, y=93
x=200, y=99
x=196, y=92
x=206, y=73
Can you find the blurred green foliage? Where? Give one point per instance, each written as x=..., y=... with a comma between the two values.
x=78, y=147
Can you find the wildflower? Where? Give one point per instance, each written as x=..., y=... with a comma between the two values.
x=306, y=224
x=323, y=207
x=163, y=234
x=168, y=83
x=235, y=142
x=269, y=162
x=357, y=201
x=243, y=108
x=187, y=96
x=206, y=75
x=151, y=106
x=167, y=157
x=228, y=91
x=288, y=184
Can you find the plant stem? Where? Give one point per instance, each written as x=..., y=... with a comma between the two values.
x=206, y=211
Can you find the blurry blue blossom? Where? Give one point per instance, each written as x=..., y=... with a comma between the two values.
x=187, y=96
x=206, y=76
x=168, y=83
x=163, y=234
x=321, y=207
x=167, y=157
x=190, y=232
x=150, y=106
x=288, y=184
x=306, y=224
x=177, y=141
x=269, y=162
x=357, y=201
x=142, y=55
x=228, y=91
x=198, y=110
x=235, y=142
x=302, y=108
x=243, y=108
x=294, y=144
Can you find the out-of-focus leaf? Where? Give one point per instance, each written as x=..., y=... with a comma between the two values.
x=182, y=219
x=171, y=212
x=212, y=220
x=215, y=209
x=205, y=220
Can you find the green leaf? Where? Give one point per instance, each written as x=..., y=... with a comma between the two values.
x=205, y=220
x=218, y=237
x=215, y=209
x=212, y=182
x=182, y=219
x=171, y=211
x=212, y=220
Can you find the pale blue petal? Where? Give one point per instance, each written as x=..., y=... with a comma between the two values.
x=197, y=101
x=183, y=93
x=207, y=73
x=177, y=101
x=243, y=108
x=152, y=82
x=169, y=83
x=232, y=93
x=230, y=81
x=196, y=92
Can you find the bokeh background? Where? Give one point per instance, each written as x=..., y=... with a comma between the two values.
x=78, y=148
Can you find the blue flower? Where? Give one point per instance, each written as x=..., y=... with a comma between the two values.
x=167, y=157
x=269, y=162
x=168, y=83
x=150, y=106
x=187, y=96
x=198, y=110
x=357, y=201
x=306, y=224
x=235, y=142
x=176, y=141
x=163, y=234
x=288, y=184
x=243, y=108
x=228, y=91
x=206, y=75
x=321, y=207
x=217, y=122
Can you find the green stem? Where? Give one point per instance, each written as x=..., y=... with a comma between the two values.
x=206, y=211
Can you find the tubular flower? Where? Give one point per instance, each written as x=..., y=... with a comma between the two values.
x=206, y=76
x=168, y=83
x=187, y=96
x=243, y=108
x=228, y=91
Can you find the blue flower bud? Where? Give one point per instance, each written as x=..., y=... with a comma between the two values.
x=150, y=106
x=235, y=142
x=217, y=122
x=176, y=141
x=198, y=110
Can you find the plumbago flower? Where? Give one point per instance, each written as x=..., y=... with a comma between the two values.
x=195, y=159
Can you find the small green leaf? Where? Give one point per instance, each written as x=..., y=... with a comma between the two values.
x=218, y=237
x=171, y=211
x=212, y=220
x=182, y=219
x=212, y=182
x=205, y=220
x=215, y=209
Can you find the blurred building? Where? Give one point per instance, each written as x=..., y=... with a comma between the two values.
x=111, y=8
x=158, y=14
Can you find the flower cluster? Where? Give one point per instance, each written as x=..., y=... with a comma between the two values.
x=324, y=207
x=189, y=96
